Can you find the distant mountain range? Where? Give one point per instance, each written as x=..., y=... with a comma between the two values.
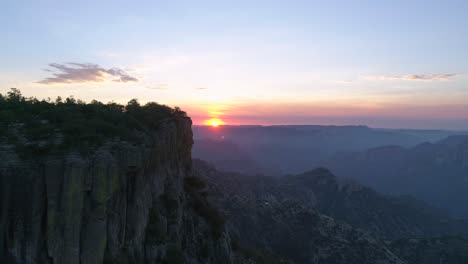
x=294, y=149
x=434, y=172
x=430, y=165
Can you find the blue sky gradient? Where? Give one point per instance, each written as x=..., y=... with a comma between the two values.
x=359, y=62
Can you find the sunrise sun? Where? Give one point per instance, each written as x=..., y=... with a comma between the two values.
x=214, y=122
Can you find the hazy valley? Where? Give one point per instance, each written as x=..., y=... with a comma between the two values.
x=428, y=165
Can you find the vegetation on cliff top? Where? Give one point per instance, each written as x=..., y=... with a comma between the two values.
x=41, y=126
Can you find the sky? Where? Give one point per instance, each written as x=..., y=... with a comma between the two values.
x=395, y=64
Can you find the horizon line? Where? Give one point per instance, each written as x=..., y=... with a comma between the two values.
x=318, y=125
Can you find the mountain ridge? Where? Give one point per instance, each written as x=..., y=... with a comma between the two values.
x=257, y=206
x=434, y=172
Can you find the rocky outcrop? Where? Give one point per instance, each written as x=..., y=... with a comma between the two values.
x=346, y=201
x=315, y=217
x=388, y=217
x=266, y=222
x=118, y=203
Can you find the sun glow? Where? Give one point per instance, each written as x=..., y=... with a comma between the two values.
x=214, y=122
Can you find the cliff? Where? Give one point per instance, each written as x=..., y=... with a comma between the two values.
x=121, y=203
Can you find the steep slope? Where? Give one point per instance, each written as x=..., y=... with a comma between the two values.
x=386, y=216
x=436, y=173
x=284, y=215
x=259, y=217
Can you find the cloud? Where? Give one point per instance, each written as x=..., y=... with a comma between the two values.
x=161, y=86
x=343, y=81
x=72, y=72
x=418, y=77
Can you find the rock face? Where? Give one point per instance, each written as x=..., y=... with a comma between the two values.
x=122, y=203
